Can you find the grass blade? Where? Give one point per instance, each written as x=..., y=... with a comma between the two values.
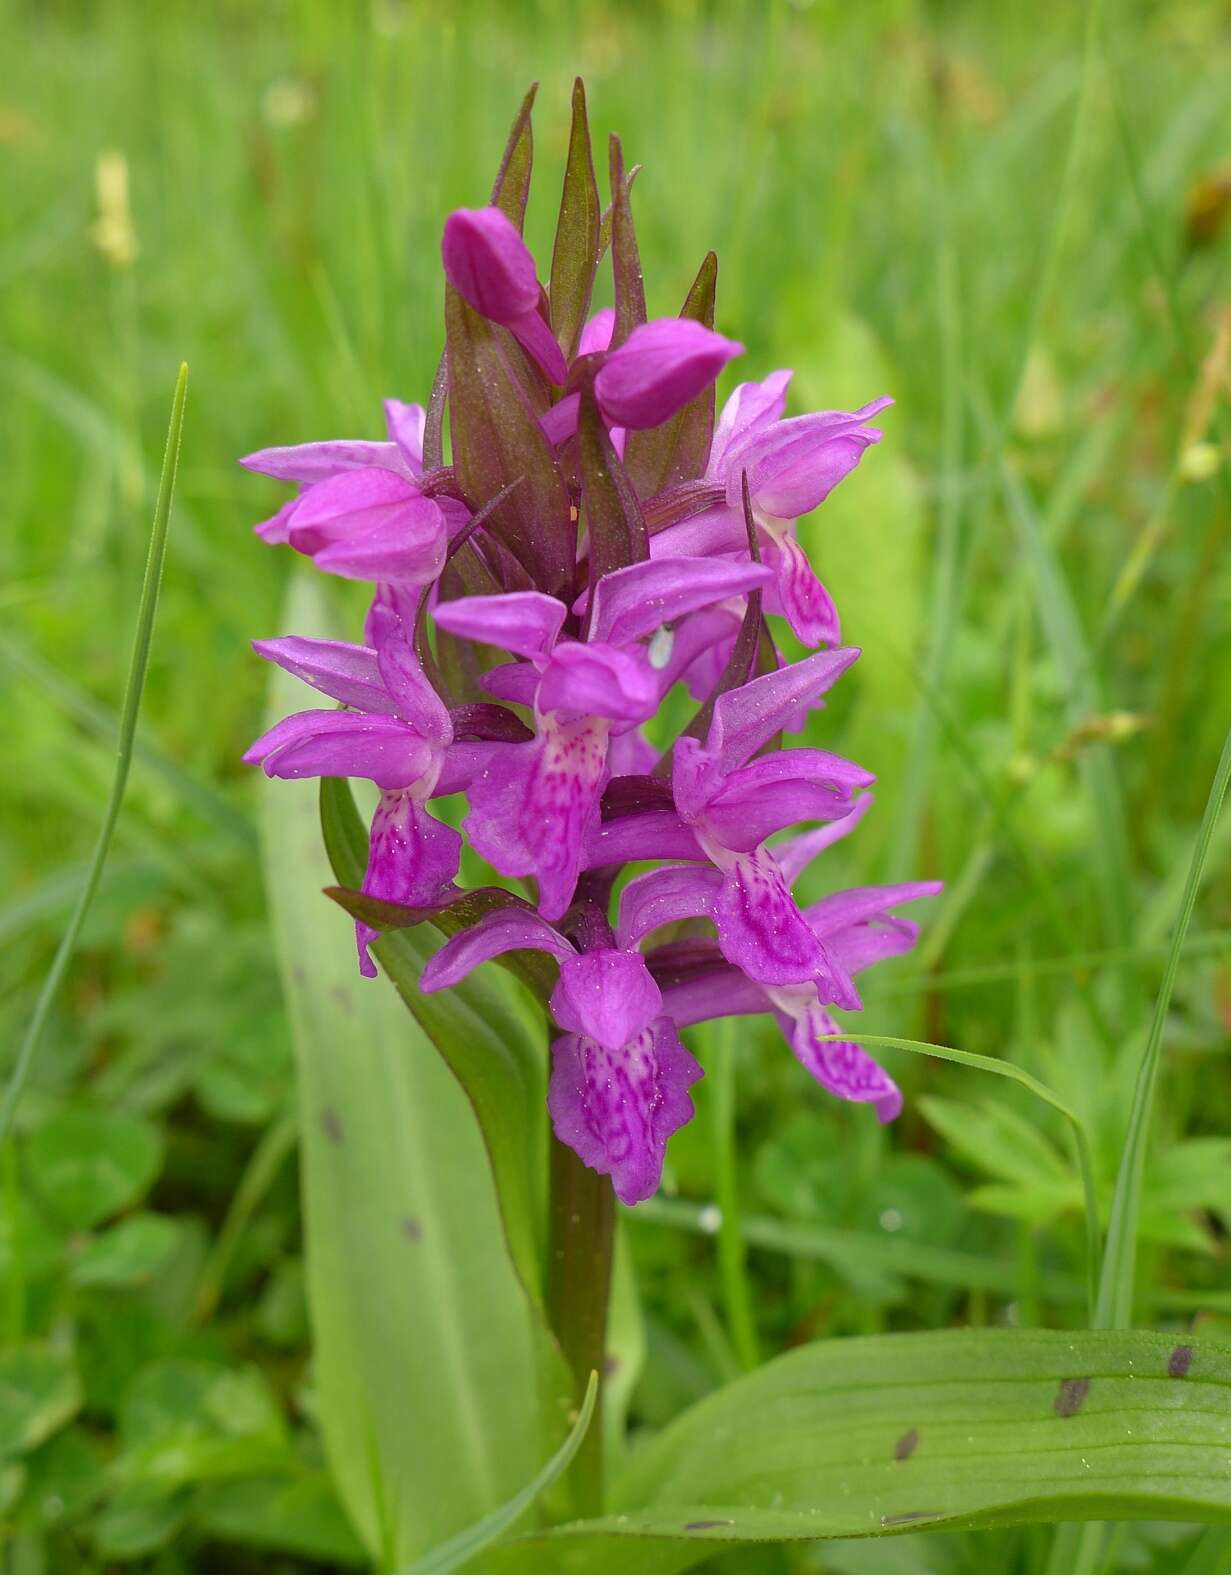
x=124, y=751
x=1114, y=1308
x=1075, y=1550
x=468, y=1544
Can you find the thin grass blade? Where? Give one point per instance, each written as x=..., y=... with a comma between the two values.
x=133, y=688
x=468, y=1544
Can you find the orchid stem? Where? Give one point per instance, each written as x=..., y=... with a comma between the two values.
x=578, y=1286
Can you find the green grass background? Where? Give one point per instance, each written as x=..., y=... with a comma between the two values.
x=984, y=210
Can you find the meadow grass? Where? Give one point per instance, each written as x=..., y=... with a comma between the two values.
x=985, y=211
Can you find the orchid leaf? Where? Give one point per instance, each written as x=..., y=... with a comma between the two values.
x=908, y=1432
x=616, y=527
x=574, y=260
x=511, y=189
x=679, y=450
x=485, y=1045
x=630, y=310
x=421, y=1293
x=534, y=969
x=496, y=435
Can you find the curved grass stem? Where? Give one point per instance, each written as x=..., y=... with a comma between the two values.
x=1015, y=1074
x=133, y=688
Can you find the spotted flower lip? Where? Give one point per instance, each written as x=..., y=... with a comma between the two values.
x=533, y=811
x=620, y=1075
x=598, y=545
x=859, y=929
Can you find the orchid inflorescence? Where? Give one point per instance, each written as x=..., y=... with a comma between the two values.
x=597, y=539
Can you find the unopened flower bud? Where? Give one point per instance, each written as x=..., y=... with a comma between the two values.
x=659, y=368
x=488, y=264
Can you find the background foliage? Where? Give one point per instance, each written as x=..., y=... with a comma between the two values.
x=1035, y=562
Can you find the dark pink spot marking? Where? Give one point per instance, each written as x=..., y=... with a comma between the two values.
x=411, y=1229
x=1180, y=1360
x=906, y=1445
x=1071, y=1396
x=331, y=1125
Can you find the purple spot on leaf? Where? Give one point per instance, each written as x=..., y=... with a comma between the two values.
x=1071, y=1396
x=331, y=1124
x=1180, y=1360
x=906, y=1445
x=706, y=1525
x=411, y=1229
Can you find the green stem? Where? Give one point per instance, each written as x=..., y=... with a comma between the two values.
x=1114, y=1308
x=741, y=1322
x=582, y=1220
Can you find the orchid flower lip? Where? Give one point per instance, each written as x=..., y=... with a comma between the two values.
x=602, y=542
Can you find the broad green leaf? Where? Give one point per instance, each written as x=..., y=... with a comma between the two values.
x=127, y=1254
x=906, y=1432
x=428, y=1352
x=86, y=1165
x=486, y=1049
x=39, y=1392
x=467, y=1545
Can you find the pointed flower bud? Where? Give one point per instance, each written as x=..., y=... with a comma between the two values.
x=488, y=264
x=658, y=369
x=491, y=268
